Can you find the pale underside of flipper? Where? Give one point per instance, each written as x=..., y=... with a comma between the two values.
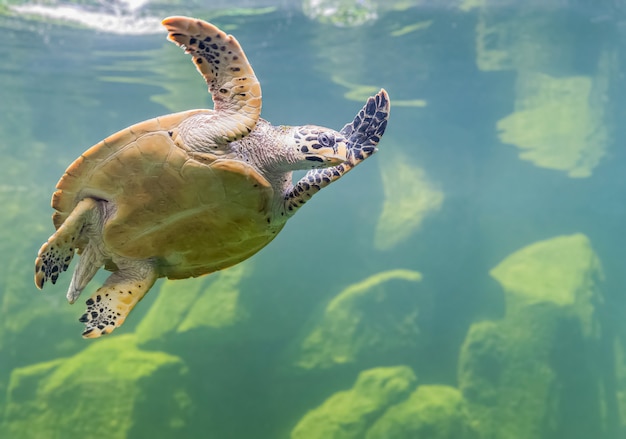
x=88, y=265
x=221, y=61
x=109, y=306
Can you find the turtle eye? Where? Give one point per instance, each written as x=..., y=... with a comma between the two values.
x=326, y=140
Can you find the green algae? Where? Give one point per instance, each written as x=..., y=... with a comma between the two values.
x=511, y=371
x=556, y=124
x=205, y=303
x=431, y=411
x=563, y=270
x=410, y=197
x=93, y=394
x=348, y=414
x=559, y=118
x=346, y=330
x=506, y=376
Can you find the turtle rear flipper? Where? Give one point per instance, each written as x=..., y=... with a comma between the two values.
x=109, y=306
x=56, y=254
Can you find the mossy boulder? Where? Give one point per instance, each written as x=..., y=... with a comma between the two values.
x=410, y=197
x=29, y=314
x=506, y=374
x=558, y=124
x=517, y=373
x=103, y=391
x=563, y=270
x=559, y=119
x=207, y=304
x=348, y=414
x=433, y=412
x=372, y=318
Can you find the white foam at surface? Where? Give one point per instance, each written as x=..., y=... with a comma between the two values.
x=128, y=24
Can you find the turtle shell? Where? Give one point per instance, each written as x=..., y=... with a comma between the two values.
x=194, y=214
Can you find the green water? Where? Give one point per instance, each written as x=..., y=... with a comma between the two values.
x=467, y=281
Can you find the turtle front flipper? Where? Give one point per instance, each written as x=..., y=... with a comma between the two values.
x=56, y=254
x=362, y=136
x=109, y=306
x=235, y=89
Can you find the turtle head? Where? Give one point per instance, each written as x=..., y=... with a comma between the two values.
x=311, y=146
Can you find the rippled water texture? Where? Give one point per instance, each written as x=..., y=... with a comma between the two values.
x=468, y=281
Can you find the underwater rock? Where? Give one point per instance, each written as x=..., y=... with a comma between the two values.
x=516, y=373
x=373, y=318
x=433, y=412
x=203, y=303
x=506, y=376
x=348, y=414
x=560, y=116
x=558, y=122
x=563, y=270
x=409, y=198
x=101, y=392
x=27, y=314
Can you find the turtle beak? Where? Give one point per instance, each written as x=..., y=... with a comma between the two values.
x=329, y=155
x=336, y=154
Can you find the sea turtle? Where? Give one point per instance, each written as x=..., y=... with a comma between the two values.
x=191, y=193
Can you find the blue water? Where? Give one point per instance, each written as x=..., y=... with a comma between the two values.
x=465, y=282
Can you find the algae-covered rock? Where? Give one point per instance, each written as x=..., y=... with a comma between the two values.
x=348, y=414
x=374, y=317
x=433, y=412
x=203, y=303
x=517, y=373
x=410, y=197
x=563, y=270
x=558, y=123
x=506, y=375
x=560, y=111
x=29, y=314
x=102, y=392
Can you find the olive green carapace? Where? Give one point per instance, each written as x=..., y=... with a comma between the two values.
x=191, y=193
